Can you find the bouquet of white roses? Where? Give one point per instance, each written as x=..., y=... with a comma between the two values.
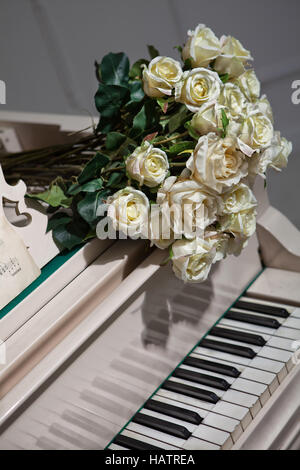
x=174, y=156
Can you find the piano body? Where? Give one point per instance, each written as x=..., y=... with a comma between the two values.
x=109, y=349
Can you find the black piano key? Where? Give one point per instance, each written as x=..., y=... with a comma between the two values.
x=133, y=444
x=235, y=335
x=162, y=425
x=202, y=379
x=190, y=391
x=254, y=319
x=230, y=371
x=261, y=308
x=228, y=348
x=174, y=411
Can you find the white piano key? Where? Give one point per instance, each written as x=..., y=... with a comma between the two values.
x=294, y=311
x=250, y=373
x=239, y=384
x=116, y=447
x=215, y=355
x=191, y=427
x=268, y=365
x=289, y=333
x=198, y=444
x=216, y=436
x=158, y=435
x=255, y=388
x=232, y=396
x=185, y=399
x=281, y=343
x=292, y=322
x=148, y=440
x=232, y=426
x=275, y=354
x=213, y=435
x=237, y=412
x=246, y=326
x=254, y=348
x=258, y=314
x=265, y=351
x=224, y=423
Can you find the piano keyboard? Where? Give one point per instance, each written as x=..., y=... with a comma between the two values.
x=219, y=388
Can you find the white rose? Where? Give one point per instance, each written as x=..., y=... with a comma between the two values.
x=217, y=163
x=129, y=211
x=233, y=57
x=202, y=46
x=186, y=206
x=275, y=156
x=160, y=76
x=256, y=133
x=148, y=165
x=249, y=85
x=264, y=107
x=197, y=87
x=208, y=119
x=240, y=223
x=192, y=259
x=237, y=199
x=233, y=99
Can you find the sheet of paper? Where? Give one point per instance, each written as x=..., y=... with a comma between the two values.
x=17, y=267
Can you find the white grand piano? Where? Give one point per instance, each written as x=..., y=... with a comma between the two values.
x=108, y=349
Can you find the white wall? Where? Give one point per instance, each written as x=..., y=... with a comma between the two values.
x=48, y=47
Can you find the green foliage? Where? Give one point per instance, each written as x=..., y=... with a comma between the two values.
x=178, y=119
x=145, y=120
x=136, y=70
x=54, y=196
x=224, y=77
x=115, y=69
x=88, y=206
x=180, y=147
x=153, y=52
x=92, y=169
x=191, y=130
x=225, y=122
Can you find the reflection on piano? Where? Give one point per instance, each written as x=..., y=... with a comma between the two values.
x=111, y=351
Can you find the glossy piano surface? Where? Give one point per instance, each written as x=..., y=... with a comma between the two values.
x=101, y=336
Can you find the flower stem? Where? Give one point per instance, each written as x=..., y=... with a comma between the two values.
x=169, y=139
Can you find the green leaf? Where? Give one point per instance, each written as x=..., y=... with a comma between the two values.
x=180, y=147
x=136, y=70
x=225, y=122
x=91, y=170
x=97, y=71
x=60, y=218
x=88, y=206
x=187, y=64
x=71, y=234
x=153, y=52
x=54, y=196
x=92, y=186
x=147, y=118
x=224, y=77
x=136, y=91
x=191, y=130
x=114, y=140
x=109, y=99
x=178, y=119
x=114, y=69
x=179, y=48
x=115, y=179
